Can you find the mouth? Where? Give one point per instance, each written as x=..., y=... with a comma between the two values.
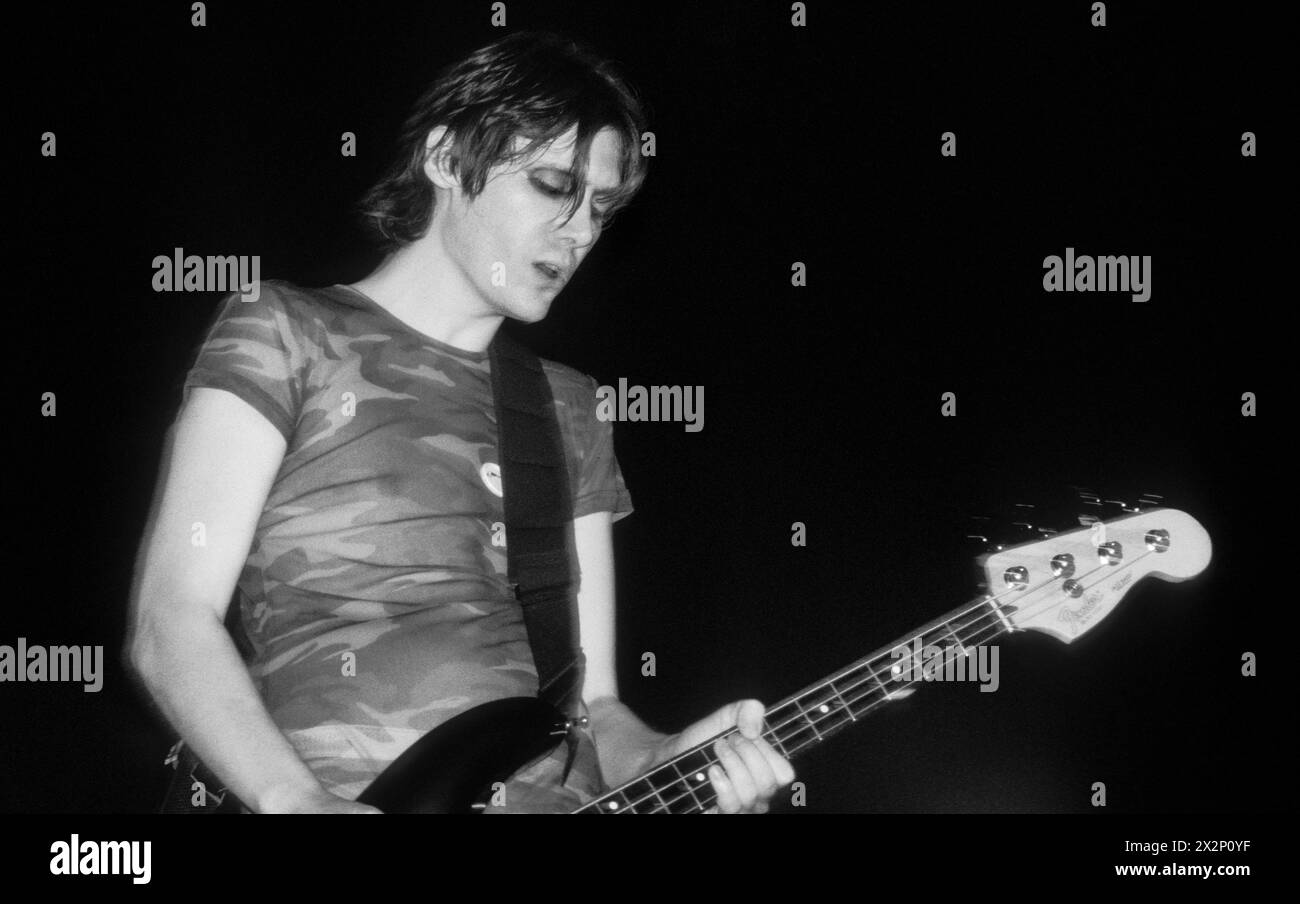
x=551, y=271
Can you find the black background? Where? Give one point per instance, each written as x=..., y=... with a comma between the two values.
x=822, y=404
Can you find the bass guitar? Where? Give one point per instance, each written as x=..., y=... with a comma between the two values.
x=1063, y=584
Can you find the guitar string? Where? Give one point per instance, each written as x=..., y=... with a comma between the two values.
x=993, y=621
x=884, y=699
x=989, y=619
x=790, y=750
x=771, y=729
x=849, y=707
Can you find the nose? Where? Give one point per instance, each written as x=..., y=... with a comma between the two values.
x=580, y=228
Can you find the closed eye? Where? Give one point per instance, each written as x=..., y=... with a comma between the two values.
x=550, y=190
x=554, y=191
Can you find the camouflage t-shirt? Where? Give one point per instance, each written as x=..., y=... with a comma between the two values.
x=375, y=593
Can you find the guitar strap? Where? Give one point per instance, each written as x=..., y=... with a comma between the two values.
x=539, y=519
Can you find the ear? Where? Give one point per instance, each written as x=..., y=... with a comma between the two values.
x=437, y=158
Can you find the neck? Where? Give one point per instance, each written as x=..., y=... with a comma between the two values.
x=944, y=649
x=420, y=286
x=822, y=709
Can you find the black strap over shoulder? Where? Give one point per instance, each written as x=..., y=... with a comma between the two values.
x=539, y=518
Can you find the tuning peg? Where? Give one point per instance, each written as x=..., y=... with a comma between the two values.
x=1088, y=497
x=978, y=530
x=1149, y=501
x=1024, y=515
x=1143, y=503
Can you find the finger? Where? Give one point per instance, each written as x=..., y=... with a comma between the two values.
x=749, y=718
x=744, y=785
x=711, y=725
x=760, y=770
x=780, y=766
x=728, y=802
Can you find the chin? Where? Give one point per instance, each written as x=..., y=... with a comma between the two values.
x=526, y=313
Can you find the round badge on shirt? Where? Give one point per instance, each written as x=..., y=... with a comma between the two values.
x=491, y=474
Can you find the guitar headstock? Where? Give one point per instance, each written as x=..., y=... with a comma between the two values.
x=1065, y=583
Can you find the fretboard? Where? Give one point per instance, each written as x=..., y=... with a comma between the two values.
x=820, y=710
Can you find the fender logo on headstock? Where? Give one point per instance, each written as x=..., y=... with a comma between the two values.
x=1076, y=618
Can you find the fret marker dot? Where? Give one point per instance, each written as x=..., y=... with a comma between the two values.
x=699, y=776
x=613, y=805
x=823, y=708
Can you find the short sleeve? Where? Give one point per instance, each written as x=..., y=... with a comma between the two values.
x=595, y=475
x=256, y=350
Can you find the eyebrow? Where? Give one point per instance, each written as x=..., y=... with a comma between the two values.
x=599, y=193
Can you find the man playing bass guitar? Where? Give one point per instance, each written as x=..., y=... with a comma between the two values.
x=334, y=462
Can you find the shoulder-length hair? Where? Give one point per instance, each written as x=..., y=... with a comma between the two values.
x=532, y=85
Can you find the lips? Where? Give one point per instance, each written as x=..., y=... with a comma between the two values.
x=551, y=270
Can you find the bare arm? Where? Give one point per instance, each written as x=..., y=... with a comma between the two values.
x=220, y=459
x=626, y=747
x=624, y=743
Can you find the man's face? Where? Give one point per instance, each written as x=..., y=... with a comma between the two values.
x=503, y=240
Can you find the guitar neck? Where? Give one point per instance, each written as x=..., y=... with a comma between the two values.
x=810, y=716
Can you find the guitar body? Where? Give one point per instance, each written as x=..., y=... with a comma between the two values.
x=452, y=768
